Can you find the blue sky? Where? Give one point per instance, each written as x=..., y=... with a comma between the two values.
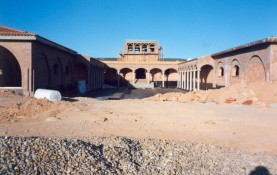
x=185, y=28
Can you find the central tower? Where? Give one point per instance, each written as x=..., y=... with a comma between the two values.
x=140, y=51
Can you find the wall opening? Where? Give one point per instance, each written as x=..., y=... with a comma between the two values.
x=206, y=77
x=10, y=70
x=221, y=72
x=137, y=48
x=170, y=78
x=235, y=71
x=130, y=48
x=256, y=70
x=140, y=73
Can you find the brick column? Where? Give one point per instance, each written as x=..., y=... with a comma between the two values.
x=134, y=74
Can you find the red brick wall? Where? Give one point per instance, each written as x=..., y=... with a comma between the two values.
x=273, y=63
x=22, y=52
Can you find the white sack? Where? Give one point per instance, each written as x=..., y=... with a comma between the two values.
x=51, y=95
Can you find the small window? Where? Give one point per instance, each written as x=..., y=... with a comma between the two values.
x=137, y=48
x=152, y=48
x=144, y=48
x=130, y=48
x=221, y=72
x=56, y=69
x=235, y=71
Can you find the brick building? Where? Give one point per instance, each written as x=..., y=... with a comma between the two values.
x=141, y=65
x=251, y=62
x=29, y=61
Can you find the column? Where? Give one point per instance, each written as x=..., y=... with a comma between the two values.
x=118, y=79
x=198, y=79
x=163, y=79
x=185, y=80
x=187, y=83
x=148, y=77
x=194, y=79
x=190, y=80
x=134, y=73
x=178, y=78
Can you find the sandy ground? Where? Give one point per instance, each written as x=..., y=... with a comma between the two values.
x=232, y=125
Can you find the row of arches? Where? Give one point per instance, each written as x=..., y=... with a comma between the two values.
x=224, y=74
x=125, y=76
x=48, y=71
x=253, y=71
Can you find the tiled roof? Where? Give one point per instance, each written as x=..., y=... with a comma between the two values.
x=6, y=31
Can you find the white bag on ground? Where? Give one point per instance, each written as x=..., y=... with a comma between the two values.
x=51, y=95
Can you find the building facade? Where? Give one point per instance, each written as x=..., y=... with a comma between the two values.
x=251, y=62
x=29, y=61
x=141, y=65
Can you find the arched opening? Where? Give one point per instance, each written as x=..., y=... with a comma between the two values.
x=137, y=48
x=256, y=70
x=156, y=77
x=220, y=71
x=152, y=48
x=42, y=76
x=144, y=48
x=110, y=76
x=68, y=75
x=206, y=77
x=126, y=76
x=81, y=72
x=130, y=48
x=10, y=72
x=235, y=72
x=220, y=79
x=140, y=75
x=170, y=78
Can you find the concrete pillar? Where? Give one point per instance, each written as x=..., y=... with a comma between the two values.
x=194, y=79
x=187, y=83
x=134, y=74
x=198, y=79
x=148, y=77
x=183, y=79
x=190, y=80
x=178, y=78
x=163, y=79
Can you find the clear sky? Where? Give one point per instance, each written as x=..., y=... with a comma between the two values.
x=185, y=28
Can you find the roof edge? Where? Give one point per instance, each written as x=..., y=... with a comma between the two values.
x=272, y=39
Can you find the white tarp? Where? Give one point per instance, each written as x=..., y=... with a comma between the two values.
x=51, y=95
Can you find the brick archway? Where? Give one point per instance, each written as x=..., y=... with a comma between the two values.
x=256, y=70
x=10, y=71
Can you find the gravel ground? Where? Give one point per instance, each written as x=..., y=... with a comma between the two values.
x=120, y=155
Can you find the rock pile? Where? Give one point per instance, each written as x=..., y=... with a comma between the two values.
x=120, y=155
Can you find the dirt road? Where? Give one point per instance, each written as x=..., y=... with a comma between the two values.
x=236, y=126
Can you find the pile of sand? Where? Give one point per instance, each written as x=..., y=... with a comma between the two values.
x=34, y=108
x=261, y=94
